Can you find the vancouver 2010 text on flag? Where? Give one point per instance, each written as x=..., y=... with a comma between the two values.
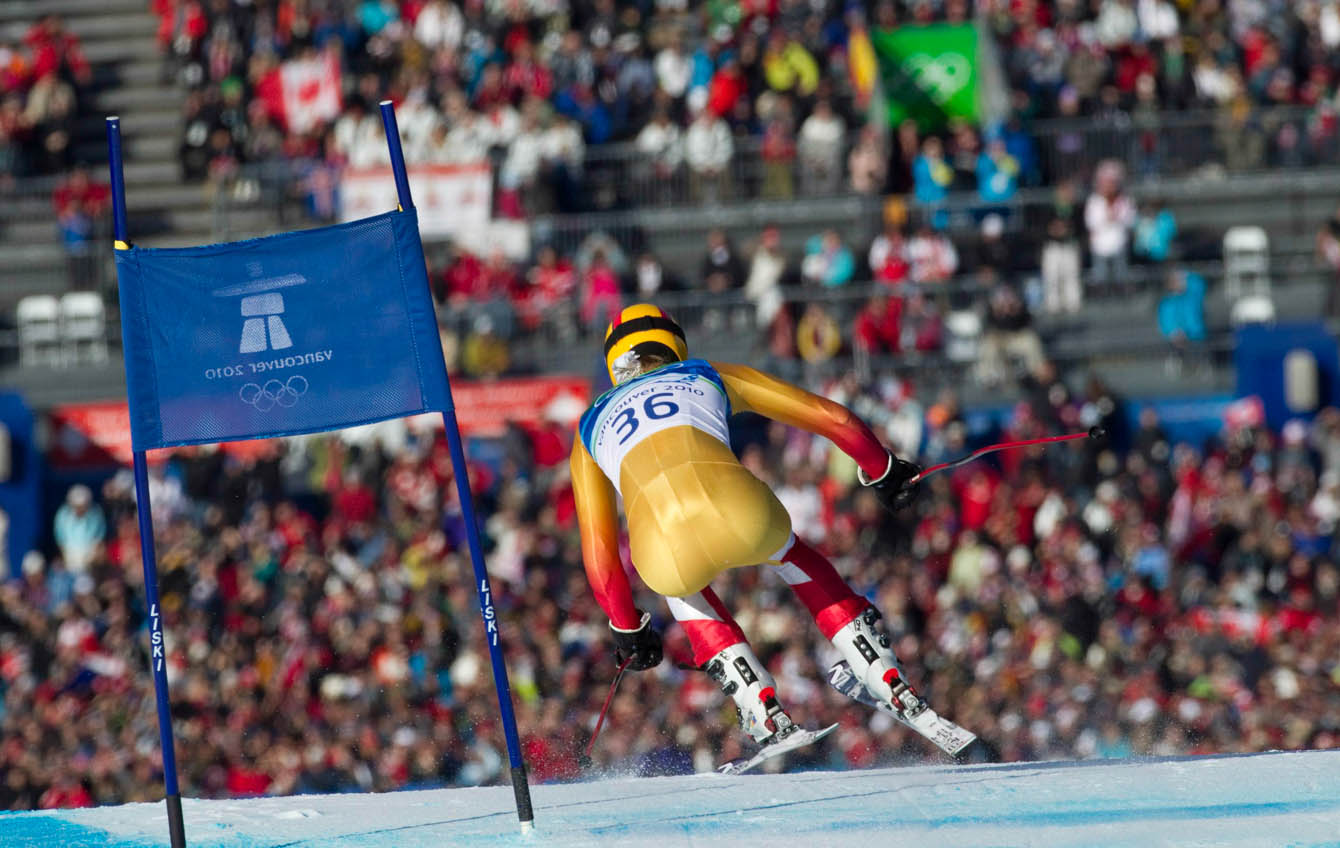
x=294, y=333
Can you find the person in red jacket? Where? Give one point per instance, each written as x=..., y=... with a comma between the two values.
x=55, y=50
x=727, y=86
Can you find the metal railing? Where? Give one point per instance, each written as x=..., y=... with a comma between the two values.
x=36, y=257
x=286, y=188
x=1156, y=145
x=1162, y=144
x=728, y=324
x=618, y=177
x=1173, y=143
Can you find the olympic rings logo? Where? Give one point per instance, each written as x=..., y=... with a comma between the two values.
x=941, y=76
x=274, y=393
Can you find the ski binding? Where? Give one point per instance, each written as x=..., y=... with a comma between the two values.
x=798, y=739
x=942, y=732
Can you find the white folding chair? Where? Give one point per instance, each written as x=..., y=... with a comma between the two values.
x=1246, y=263
x=38, y=318
x=83, y=322
x=963, y=334
x=1254, y=309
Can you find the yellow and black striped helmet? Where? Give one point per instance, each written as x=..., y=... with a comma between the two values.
x=648, y=330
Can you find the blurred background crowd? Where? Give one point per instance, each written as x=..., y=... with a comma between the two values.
x=40, y=82
x=599, y=106
x=689, y=82
x=323, y=634
x=813, y=302
x=542, y=89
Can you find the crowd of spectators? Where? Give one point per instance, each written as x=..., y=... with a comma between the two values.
x=41, y=80
x=811, y=298
x=1156, y=598
x=788, y=84
x=726, y=101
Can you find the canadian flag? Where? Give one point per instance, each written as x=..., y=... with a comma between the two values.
x=310, y=91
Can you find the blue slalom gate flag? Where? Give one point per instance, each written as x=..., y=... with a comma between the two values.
x=294, y=333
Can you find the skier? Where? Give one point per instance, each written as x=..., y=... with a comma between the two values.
x=659, y=438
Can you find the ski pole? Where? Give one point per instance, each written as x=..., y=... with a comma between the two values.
x=585, y=759
x=1098, y=434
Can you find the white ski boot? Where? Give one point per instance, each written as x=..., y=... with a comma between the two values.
x=869, y=673
x=865, y=646
x=754, y=691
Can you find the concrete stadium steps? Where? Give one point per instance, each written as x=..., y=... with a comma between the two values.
x=680, y=239
x=136, y=99
x=26, y=208
x=148, y=226
x=1115, y=336
x=181, y=227
x=1146, y=375
x=43, y=387
x=97, y=26
x=161, y=121
x=29, y=10
x=33, y=230
x=1290, y=206
x=118, y=37
x=1117, y=323
x=32, y=244
x=160, y=146
x=1119, y=339
x=151, y=172
x=23, y=257
x=142, y=197
x=49, y=279
x=1298, y=293
x=121, y=49
x=1276, y=218
x=140, y=70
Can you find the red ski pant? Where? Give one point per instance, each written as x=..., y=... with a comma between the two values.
x=711, y=628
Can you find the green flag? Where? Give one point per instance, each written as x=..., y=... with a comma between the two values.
x=930, y=73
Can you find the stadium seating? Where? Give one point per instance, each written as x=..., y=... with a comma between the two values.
x=38, y=318
x=83, y=329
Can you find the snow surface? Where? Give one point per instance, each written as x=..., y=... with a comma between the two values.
x=1279, y=799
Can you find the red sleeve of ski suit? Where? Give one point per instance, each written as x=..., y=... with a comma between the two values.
x=598, y=518
x=751, y=390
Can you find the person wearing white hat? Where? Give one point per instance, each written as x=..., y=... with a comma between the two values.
x=79, y=528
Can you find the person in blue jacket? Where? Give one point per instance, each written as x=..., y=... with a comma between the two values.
x=1182, y=315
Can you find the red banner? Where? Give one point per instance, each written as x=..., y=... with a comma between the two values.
x=90, y=435
x=483, y=408
x=94, y=435
x=1245, y=412
x=450, y=200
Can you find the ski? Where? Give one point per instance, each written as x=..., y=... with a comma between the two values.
x=942, y=732
x=798, y=739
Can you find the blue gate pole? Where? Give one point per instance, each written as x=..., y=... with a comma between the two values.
x=520, y=787
x=157, y=649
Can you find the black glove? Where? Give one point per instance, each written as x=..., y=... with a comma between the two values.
x=643, y=645
x=895, y=489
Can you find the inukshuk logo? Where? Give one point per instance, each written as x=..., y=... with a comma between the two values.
x=264, y=330
x=262, y=312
